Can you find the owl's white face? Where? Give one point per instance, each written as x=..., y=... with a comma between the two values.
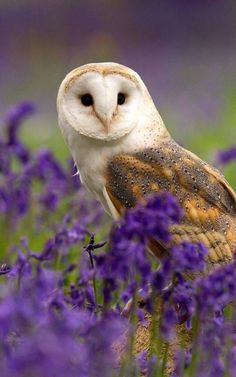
x=102, y=101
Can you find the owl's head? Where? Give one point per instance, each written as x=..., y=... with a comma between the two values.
x=102, y=101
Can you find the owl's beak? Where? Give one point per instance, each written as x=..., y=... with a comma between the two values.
x=105, y=118
x=106, y=122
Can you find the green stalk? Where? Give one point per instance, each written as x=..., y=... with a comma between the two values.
x=94, y=279
x=228, y=313
x=192, y=367
x=128, y=362
x=156, y=339
x=164, y=360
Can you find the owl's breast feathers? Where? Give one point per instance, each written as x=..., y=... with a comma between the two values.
x=208, y=201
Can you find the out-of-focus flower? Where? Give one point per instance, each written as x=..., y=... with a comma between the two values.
x=163, y=275
x=5, y=269
x=142, y=361
x=15, y=116
x=216, y=290
x=127, y=257
x=168, y=321
x=47, y=168
x=153, y=219
x=188, y=256
x=182, y=361
x=22, y=267
x=146, y=363
x=20, y=151
x=41, y=335
x=4, y=159
x=184, y=300
x=36, y=319
x=66, y=236
x=4, y=200
x=49, y=199
x=225, y=156
x=15, y=196
x=60, y=307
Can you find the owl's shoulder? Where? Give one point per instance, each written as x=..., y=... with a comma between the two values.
x=167, y=167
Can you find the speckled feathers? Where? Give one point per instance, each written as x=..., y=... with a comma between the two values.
x=123, y=153
x=208, y=202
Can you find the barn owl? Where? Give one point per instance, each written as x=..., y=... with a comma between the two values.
x=123, y=153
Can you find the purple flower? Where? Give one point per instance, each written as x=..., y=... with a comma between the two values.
x=162, y=277
x=20, y=151
x=153, y=219
x=188, y=256
x=21, y=194
x=168, y=321
x=231, y=359
x=57, y=313
x=47, y=167
x=5, y=269
x=184, y=300
x=142, y=361
x=226, y=156
x=4, y=200
x=15, y=115
x=91, y=246
x=5, y=162
x=49, y=199
x=182, y=361
x=129, y=291
x=47, y=253
x=146, y=364
x=66, y=236
x=35, y=321
x=127, y=260
x=15, y=196
x=217, y=289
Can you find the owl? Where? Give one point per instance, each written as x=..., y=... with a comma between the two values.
x=124, y=153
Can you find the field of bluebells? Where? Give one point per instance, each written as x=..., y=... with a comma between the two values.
x=65, y=282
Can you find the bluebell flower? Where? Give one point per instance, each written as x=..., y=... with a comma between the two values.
x=217, y=289
x=189, y=256
x=184, y=300
x=14, y=117
x=168, y=321
x=5, y=160
x=226, y=156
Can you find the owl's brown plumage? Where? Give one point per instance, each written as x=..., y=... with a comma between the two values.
x=208, y=201
x=123, y=153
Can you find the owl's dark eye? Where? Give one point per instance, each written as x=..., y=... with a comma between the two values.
x=121, y=98
x=87, y=100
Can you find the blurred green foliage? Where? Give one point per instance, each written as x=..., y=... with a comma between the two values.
x=183, y=51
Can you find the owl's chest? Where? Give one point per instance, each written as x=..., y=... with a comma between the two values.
x=92, y=169
x=93, y=158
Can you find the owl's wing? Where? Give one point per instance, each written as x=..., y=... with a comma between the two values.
x=208, y=201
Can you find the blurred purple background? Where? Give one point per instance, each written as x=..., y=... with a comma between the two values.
x=185, y=51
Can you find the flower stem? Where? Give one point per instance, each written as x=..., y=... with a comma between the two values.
x=94, y=279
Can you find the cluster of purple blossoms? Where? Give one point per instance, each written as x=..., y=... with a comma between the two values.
x=42, y=335
x=127, y=259
x=226, y=156
x=35, y=182
x=61, y=298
